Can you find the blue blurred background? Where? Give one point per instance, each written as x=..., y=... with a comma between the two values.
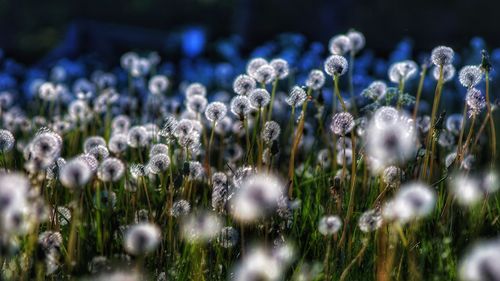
x=33, y=31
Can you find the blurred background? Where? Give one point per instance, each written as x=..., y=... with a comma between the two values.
x=34, y=31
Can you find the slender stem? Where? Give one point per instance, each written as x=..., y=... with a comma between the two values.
x=469, y=135
x=351, y=84
x=401, y=89
x=360, y=254
x=271, y=104
x=350, y=207
x=435, y=106
x=461, y=136
x=337, y=93
x=419, y=90
x=493, y=138
x=208, y=164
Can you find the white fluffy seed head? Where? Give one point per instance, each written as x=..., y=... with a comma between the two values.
x=243, y=84
x=265, y=74
x=215, y=111
x=296, y=97
x=142, y=239
x=240, y=106
x=271, y=132
x=357, y=40
x=442, y=55
x=315, y=79
x=6, y=141
x=281, y=68
x=196, y=89
x=470, y=76
x=339, y=45
x=475, y=101
x=259, y=98
x=402, y=71
x=413, y=201
x=255, y=64
x=329, y=225
x=336, y=65
x=342, y=123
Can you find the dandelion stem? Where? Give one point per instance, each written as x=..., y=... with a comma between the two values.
x=493, y=138
x=337, y=93
x=419, y=90
x=435, y=106
x=271, y=104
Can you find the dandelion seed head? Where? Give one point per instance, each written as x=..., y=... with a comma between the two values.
x=265, y=74
x=392, y=176
x=339, y=45
x=195, y=89
x=454, y=123
x=128, y=59
x=356, y=39
x=336, y=65
x=377, y=90
x=180, y=208
x=142, y=239
x=243, y=84
x=259, y=98
x=257, y=196
x=470, y=76
x=413, y=201
x=158, y=84
x=481, y=262
x=271, y=132
x=158, y=163
x=402, y=71
x=215, y=111
x=183, y=128
x=315, y=79
x=6, y=141
x=442, y=55
x=297, y=97
x=475, y=102
x=281, y=68
x=197, y=103
x=75, y=173
x=120, y=124
x=90, y=160
x=99, y=152
x=370, y=221
x=258, y=264
x=329, y=225
x=158, y=148
x=253, y=65
x=140, y=67
x=111, y=170
x=466, y=189
x=137, y=170
x=240, y=106
x=342, y=123
x=118, y=143
x=137, y=137
x=200, y=227
x=92, y=142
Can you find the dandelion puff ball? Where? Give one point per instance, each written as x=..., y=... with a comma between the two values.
x=442, y=56
x=243, y=84
x=142, y=239
x=470, y=75
x=75, y=173
x=329, y=225
x=339, y=45
x=315, y=79
x=215, y=111
x=6, y=141
x=336, y=65
x=342, y=123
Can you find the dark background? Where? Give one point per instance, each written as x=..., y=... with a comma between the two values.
x=30, y=29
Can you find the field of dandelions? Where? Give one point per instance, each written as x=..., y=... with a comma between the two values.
x=298, y=162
